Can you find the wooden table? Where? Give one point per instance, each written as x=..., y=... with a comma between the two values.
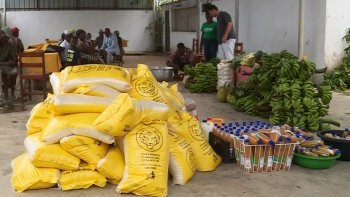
x=52, y=60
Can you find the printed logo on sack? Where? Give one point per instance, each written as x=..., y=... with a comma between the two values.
x=146, y=88
x=150, y=176
x=190, y=159
x=83, y=69
x=149, y=139
x=196, y=131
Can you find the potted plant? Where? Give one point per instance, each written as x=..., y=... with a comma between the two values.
x=156, y=27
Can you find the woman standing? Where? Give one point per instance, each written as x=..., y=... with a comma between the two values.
x=209, y=38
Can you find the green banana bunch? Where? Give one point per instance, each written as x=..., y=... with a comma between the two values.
x=286, y=55
x=325, y=94
x=308, y=89
x=204, y=77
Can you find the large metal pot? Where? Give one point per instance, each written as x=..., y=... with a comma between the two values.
x=162, y=73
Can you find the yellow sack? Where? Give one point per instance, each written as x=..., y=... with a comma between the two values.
x=182, y=161
x=190, y=129
x=43, y=155
x=64, y=104
x=78, y=124
x=112, y=165
x=146, y=160
x=145, y=86
x=25, y=176
x=174, y=89
x=125, y=112
x=40, y=116
x=55, y=82
x=87, y=149
x=171, y=96
x=96, y=90
x=81, y=178
x=112, y=76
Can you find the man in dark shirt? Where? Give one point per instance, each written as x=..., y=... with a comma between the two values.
x=8, y=58
x=178, y=59
x=99, y=39
x=73, y=54
x=225, y=33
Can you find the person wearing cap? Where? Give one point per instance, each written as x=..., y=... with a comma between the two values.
x=8, y=59
x=16, y=41
x=65, y=44
x=110, y=45
x=120, y=44
x=99, y=39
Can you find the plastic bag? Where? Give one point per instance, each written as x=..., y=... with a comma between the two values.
x=125, y=112
x=25, y=176
x=112, y=76
x=43, y=155
x=190, y=129
x=85, y=148
x=96, y=90
x=112, y=165
x=225, y=74
x=78, y=124
x=77, y=103
x=40, y=116
x=146, y=160
x=81, y=178
x=190, y=106
x=172, y=96
x=182, y=161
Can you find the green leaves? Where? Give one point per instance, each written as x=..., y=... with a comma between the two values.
x=340, y=76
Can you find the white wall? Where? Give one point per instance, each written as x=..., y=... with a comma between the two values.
x=269, y=25
x=337, y=21
x=36, y=26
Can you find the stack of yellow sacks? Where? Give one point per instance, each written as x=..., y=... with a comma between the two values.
x=107, y=123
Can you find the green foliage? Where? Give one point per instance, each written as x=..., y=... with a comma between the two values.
x=215, y=61
x=340, y=76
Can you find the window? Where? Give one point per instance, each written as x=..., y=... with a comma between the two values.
x=185, y=19
x=39, y=5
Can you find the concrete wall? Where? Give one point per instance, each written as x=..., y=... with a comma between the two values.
x=36, y=26
x=269, y=25
x=337, y=21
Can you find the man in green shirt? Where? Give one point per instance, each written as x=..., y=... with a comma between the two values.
x=8, y=59
x=209, y=38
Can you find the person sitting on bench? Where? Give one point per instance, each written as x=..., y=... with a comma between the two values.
x=120, y=44
x=110, y=45
x=178, y=59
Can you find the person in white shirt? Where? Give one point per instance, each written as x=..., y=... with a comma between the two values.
x=65, y=44
x=110, y=45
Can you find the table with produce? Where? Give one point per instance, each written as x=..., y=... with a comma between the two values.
x=277, y=87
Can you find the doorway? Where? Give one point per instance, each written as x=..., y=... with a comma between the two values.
x=167, y=30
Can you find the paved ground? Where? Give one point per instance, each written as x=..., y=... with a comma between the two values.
x=227, y=180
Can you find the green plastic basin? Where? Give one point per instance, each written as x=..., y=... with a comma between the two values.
x=314, y=162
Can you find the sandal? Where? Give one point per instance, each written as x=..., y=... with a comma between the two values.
x=18, y=99
x=177, y=78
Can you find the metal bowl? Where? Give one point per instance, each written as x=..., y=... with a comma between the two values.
x=162, y=73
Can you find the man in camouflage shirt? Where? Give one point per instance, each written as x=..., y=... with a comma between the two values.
x=16, y=41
